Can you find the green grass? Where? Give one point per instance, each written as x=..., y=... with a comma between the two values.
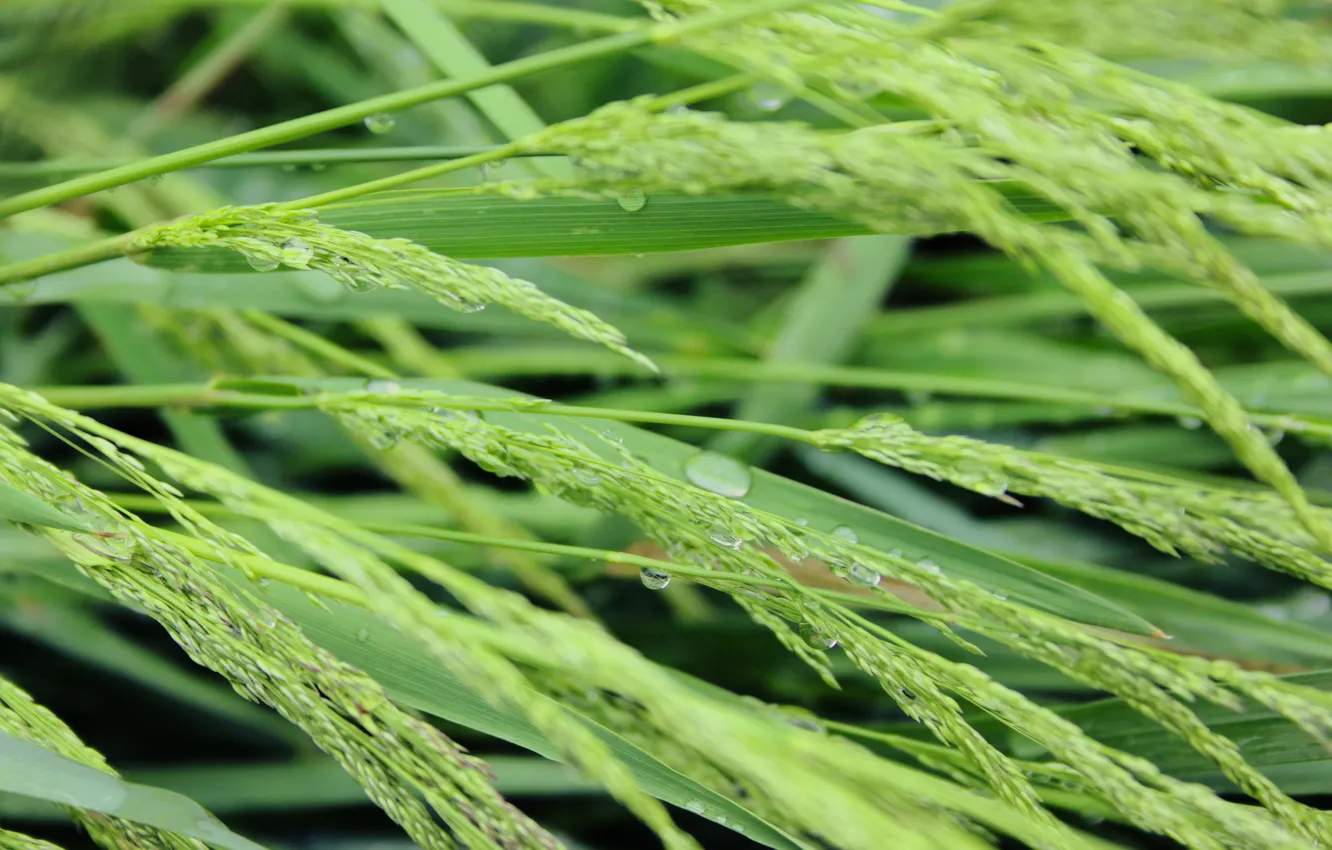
x=529, y=424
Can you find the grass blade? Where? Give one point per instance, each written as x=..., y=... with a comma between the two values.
x=30, y=770
x=17, y=506
x=780, y=496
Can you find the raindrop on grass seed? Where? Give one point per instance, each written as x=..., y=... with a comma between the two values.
x=847, y=533
x=382, y=386
x=654, y=579
x=297, y=252
x=719, y=473
x=261, y=264
x=814, y=640
x=380, y=123
x=863, y=575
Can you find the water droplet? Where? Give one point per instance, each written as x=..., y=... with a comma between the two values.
x=297, y=252
x=632, y=201
x=722, y=537
x=587, y=476
x=814, y=640
x=654, y=579
x=894, y=553
x=261, y=264
x=382, y=386
x=719, y=473
x=695, y=806
x=320, y=289
x=1001, y=595
x=21, y=291
x=769, y=97
x=929, y=566
x=380, y=123
x=863, y=575
x=847, y=533
x=363, y=635
x=1191, y=422
x=802, y=522
x=265, y=582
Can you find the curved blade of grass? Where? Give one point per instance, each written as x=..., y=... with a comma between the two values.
x=460, y=223
x=822, y=511
x=17, y=506
x=291, y=786
x=412, y=678
x=30, y=770
x=1267, y=740
x=416, y=680
x=1197, y=622
x=82, y=636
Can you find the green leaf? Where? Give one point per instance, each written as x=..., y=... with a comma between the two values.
x=464, y=224
x=1267, y=740
x=822, y=511
x=288, y=786
x=17, y=506
x=414, y=679
x=31, y=770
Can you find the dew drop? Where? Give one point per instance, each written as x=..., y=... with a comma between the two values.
x=894, y=553
x=769, y=97
x=1001, y=595
x=654, y=579
x=20, y=291
x=722, y=537
x=632, y=201
x=847, y=533
x=1193, y=423
x=587, y=476
x=380, y=123
x=929, y=566
x=719, y=473
x=297, y=252
x=863, y=575
x=695, y=806
x=261, y=264
x=363, y=635
x=320, y=289
x=802, y=522
x=382, y=386
x=814, y=640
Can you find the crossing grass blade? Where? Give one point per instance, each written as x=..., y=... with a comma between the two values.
x=461, y=223
x=17, y=506
x=823, y=511
x=32, y=771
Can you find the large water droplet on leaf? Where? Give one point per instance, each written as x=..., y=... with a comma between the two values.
x=719, y=473
x=632, y=201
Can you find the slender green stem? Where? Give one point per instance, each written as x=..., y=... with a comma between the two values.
x=195, y=395
x=414, y=176
x=336, y=589
x=73, y=258
x=316, y=344
x=343, y=116
x=262, y=159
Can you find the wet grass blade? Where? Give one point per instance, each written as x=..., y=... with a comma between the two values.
x=822, y=511
x=32, y=771
x=463, y=224
x=17, y=506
